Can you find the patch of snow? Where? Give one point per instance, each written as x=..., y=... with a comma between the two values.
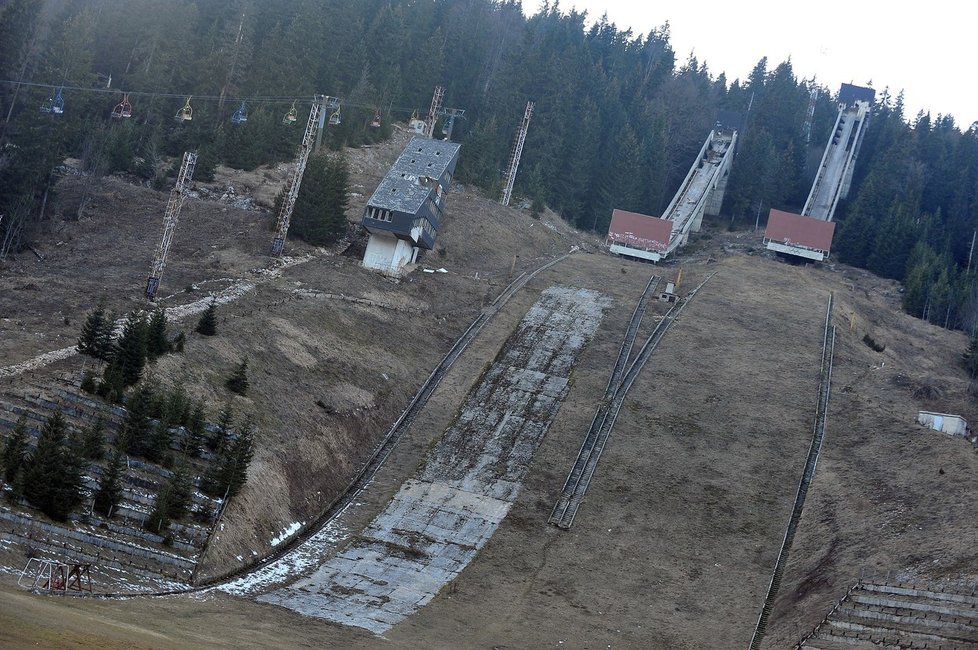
x=309, y=555
x=288, y=532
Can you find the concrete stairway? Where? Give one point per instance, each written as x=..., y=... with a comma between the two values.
x=875, y=615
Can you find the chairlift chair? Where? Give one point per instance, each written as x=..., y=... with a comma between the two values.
x=291, y=117
x=375, y=122
x=241, y=115
x=56, y=104
x=334, y=118
x=123, y=108
x=185, y=114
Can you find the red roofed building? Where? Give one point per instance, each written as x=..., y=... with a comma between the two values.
x=639, y=235
x=793, y=234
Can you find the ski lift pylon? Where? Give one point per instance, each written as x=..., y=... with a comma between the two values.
x=56, y=104
x=291, y=117
x=186, y=113
x=123, y=108
x=241, y=115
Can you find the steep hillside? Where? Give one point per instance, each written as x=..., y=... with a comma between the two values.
x=334, y=351
x=675, y=542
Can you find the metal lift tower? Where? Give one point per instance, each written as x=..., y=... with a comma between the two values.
x=434, y=111
x=514, y=156
x=177, y=196
x=292, y=187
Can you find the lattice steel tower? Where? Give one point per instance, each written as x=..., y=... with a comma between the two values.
x=295, y=179
x=177, y=197
x=429, y=124
x=514, y=156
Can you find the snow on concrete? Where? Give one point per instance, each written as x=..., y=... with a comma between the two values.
x=304, y=558
x=438, y=520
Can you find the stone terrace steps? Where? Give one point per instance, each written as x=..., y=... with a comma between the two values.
x=899, y=616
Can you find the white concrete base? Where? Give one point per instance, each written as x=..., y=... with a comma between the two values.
x=388, y=254
x=797, y=251
x=648, y=256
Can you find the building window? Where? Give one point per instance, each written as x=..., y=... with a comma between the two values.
x=379, y=214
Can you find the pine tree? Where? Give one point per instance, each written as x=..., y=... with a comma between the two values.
x=159, y=442
x=319, y=216
x=135, y=434
x=207, y=325
x=158, y=520
x=181, y=491
x=93, y=440
x=52, y=479
x=217, y=440
x=239, y=458
x=195, y=430
x=15, y=451
x=96, y=334
x=109, y=492
x=229, y=472
x=238, y=381
x=157, y=343
x=130, y=354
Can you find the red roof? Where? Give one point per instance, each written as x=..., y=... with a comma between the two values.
x=794, y=229
x=639, y=230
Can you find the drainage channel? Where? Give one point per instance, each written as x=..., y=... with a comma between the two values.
x=821, y=408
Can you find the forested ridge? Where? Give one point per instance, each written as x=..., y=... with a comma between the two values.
x=618, y=118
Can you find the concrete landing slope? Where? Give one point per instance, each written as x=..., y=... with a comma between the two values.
x=439, y=519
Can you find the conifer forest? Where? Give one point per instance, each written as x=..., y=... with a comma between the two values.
x=619, y=116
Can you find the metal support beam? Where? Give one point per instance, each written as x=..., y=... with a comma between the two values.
x=516, y=153
x=295, y=179
x=170, y=218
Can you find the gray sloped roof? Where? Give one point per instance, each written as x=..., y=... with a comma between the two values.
x=400, y=194
x=424, y=157
x=400, y=189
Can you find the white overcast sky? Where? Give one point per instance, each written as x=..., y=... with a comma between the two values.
x=927, y=49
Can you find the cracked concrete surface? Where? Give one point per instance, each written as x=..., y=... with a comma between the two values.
x=438, y=521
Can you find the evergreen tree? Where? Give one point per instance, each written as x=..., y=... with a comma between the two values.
x=88, y=382
x=15, y=451
x=52, y=478
x=207, y=325
x=158, y=520
x=195, y=430
x=159, y=442
x=109, y=493
x=229, y=472
x=96, y=334
x=218, y=439
x=135, y=434
x=113, y=386
x=93, y=440
x=157, y=343
x=238, y=381
x=180, y=493
x=319, y=216
x=130, y=355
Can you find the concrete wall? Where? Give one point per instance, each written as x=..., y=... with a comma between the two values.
x=387, y=254
x=953, y=425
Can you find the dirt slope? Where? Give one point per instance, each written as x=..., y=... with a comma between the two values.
x=674, y=545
